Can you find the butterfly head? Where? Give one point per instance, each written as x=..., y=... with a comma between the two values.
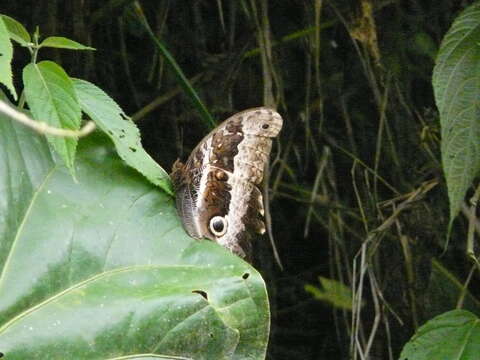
x=263, y=122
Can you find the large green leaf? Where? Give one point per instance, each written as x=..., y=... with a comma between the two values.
x=123, y=132
x=454, y=335
x=6, y=55
x=52, y=99
x=456, y=81
x=101, y=268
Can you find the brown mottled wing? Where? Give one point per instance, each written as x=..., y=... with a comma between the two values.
x=221, y=179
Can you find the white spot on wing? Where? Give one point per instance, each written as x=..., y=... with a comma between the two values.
x=205, y=169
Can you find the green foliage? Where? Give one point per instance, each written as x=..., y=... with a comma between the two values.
x=6, y=55
x=453, y=335
x=50, y=94
x=63, y=43
x=101, y=267
x=111, y=119
x=358, y=169
x=456, y=82
x=333, y=292
x=16, y=30
x=52, y=99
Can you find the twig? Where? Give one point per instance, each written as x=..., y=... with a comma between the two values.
x=161, y=99
x=378, y=314
x=268, y=218
x=471, y=223
x=410, y=272
x=42, y=127
x=323, y=163
x=464, y=291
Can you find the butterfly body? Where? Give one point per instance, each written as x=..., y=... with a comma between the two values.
x=217, y=189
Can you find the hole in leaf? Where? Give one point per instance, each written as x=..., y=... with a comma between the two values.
x=245, y=276
x=1, y=354
x=201, y=293
x=132, y=149
x=211, y=335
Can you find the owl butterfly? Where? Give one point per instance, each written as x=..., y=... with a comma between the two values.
x=217, y=189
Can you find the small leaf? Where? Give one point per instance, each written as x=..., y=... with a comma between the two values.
x=6, y=55
x=16, y=30
x=452, y=335
x=51, y=97
x=63, y=43
x=112, y=120
x=333, y=292
x=456, y=82
x=424, y=44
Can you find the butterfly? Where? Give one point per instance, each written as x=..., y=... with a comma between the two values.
x=217, y=189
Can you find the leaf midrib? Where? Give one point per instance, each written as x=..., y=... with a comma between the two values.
x=24, y=219
x=89, y=280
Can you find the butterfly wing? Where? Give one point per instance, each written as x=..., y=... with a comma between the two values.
x=218, y=194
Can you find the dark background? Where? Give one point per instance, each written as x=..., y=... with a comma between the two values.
x=359, y=112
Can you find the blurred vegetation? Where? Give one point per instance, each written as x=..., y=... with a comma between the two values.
x=356, y=186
